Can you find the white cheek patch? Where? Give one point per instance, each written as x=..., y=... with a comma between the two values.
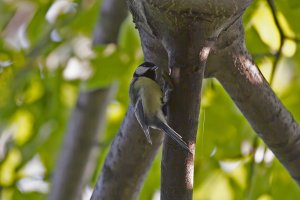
x=141, y=70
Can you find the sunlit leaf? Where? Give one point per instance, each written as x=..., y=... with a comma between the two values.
x=108, y=67
x=8, y=167
x=23, y=123
x=264, y=24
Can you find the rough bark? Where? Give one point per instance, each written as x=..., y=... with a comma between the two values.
x=129, y=159
x=80, y=151
x=234, y=68
x=178, y=165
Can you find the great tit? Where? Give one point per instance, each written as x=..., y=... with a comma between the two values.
x=146, y=97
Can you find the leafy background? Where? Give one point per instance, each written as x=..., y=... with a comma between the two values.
x=46, y=58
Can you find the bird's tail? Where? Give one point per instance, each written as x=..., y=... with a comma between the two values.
x=173, y=134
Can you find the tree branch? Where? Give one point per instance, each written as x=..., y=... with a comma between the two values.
x=129, y=159
x=112, y=15
x=130, y=155
x=80, y=149
x=282, y=37
x=234, y=68
x=79, y=154
x=187, y=73
x=177, y=164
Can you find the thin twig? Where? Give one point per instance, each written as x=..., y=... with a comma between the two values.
x=251, y=168
x=278, y=54
x=283, y=38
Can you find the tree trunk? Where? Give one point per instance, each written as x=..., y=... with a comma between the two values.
x=187, y=31
x=80, y=150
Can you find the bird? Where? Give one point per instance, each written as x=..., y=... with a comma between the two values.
x=146, y=98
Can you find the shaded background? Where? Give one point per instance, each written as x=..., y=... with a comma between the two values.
x=46, y=58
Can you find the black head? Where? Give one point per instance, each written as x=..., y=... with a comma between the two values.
x=147, y=69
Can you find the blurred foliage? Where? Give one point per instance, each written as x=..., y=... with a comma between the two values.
x=46, y=57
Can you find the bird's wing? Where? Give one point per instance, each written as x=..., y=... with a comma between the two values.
x=139, y=113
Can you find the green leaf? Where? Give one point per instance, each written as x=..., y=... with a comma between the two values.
x=17, y=195
x=89, y=14
x=108, y=66
x=254, y=43
x=129, y=41
x=38, y=27
x=6, y=14
x=290, y=9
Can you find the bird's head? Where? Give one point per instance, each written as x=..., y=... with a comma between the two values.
x=147, y=69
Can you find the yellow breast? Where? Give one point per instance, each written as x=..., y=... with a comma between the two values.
x=151, y=95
